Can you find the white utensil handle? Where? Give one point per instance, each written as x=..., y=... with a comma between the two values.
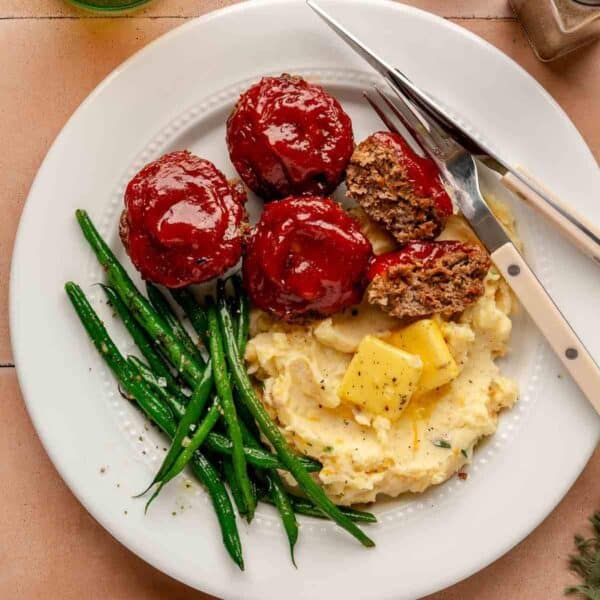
x=573, y=233
x=550, y=321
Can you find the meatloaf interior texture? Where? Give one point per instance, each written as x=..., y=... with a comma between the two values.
x=447, y=284
x=379, y=183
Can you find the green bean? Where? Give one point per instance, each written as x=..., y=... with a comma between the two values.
x=243, y=315
x=256, y=457
x=221, y=379
x=282, y=502
x=161, y=415
x=206, y=473
x=234, y=486
x=277, y=492
x=306, y=507
x=143, y=342
x=186, y=455
x=138, y=305
x=199, y=321
x=248, y=435
x=227, y=465
x=194, y=312
x=276, y=488
x=176, y=402
x=248, y=446
x=303, y=506
x=163, y=308
x=220, y=444
x=198, y=375
x=192, y=413
x=114, y=359
x=240, y=327
x=275, y=437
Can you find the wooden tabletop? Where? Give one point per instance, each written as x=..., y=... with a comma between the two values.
x=52, y=57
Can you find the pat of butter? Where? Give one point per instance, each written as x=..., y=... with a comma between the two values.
x=425, y=339
x=381, y=378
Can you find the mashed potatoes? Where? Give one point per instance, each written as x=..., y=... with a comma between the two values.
x=301, y=368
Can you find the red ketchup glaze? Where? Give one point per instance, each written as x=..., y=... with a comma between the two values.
x=289, y=137
x=306, y=257
x=184, y=220
x=411, y=252
x=422, y=172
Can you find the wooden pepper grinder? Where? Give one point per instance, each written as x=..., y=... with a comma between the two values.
x=555, y=27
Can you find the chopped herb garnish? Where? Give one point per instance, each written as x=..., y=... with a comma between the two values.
x=464, y=453
x=328, y=449
x=441, y=444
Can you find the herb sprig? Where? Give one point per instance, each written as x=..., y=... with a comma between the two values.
x=586, y=563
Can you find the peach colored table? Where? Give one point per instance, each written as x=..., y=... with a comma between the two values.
x=52, y=57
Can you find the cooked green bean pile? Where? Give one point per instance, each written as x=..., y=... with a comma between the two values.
x=216, y=429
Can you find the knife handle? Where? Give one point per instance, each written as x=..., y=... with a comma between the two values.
x=550, y=321
x=583, y=240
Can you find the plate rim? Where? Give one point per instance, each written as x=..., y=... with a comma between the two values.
x=18, y=353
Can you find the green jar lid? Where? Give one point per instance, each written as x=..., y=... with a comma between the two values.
x=108, y=5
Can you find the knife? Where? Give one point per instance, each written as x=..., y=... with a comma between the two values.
x=578, y=230
x=459, y=172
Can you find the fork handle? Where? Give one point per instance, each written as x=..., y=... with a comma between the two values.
x=550, y=321
x=582, y=240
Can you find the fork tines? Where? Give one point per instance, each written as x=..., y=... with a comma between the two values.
x=397, y=117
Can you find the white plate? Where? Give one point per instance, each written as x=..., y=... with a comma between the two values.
x=175, y=94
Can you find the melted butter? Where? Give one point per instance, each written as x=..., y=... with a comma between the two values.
x=341, y=411
x=416, y=441
x=420, y=409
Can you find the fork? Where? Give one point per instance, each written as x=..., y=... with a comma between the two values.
x=459, y=173
x=581, y=232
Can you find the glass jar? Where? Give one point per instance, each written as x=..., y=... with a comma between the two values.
x=555, y=27
x=108, y=5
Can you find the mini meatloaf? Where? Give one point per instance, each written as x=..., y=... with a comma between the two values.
x=289, y=137
x=424, y=278
x=182, y=222
x=397, y=188
x=245, y=227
